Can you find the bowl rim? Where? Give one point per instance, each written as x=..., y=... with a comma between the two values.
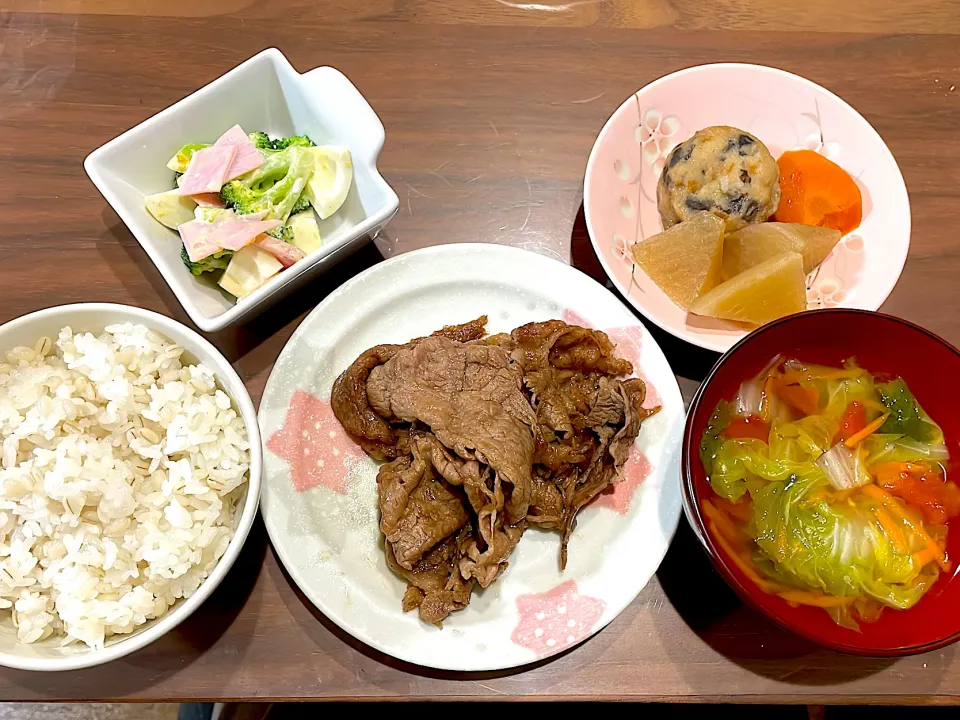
x=706, y=67
x=691, y=503
x=223, y=370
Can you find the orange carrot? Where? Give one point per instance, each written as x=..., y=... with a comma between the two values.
x=891, y=504
x=816, y=599
x=870, y=429
x=745, y=565
x=923, y=557
x=741, y=511
x=816, y=191
x=799, y=397
x=722, y=523
x=891, y=528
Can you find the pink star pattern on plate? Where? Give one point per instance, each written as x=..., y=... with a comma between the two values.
x=315, y=445
x=617, y=497
x=629, y=342
x=554, y=620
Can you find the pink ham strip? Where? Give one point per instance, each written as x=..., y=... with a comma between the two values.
x=247, y=158
x=208, y=200
x=286, y=253
x=207, y=170
x=228, y=232
x=197, y=240
x=235, y=234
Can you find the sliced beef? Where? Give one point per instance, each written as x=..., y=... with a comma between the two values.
x=469, y=396
x=349, y=396
x=487, y=436
x=350, y=404
x=435, y=585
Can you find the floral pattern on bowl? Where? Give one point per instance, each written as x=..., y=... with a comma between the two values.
x=786, y=112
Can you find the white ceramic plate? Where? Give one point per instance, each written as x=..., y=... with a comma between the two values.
x=319, y=498
x=786, y=112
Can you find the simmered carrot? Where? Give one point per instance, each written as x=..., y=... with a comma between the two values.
x=816, y=191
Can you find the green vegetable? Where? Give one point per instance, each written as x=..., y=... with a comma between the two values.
x=284, y=232
x=302, y=204
x=217, y=261
x=906, y=415
x=883, y=448
x=274, y=188
x=179, y=162
x=837, y=547
x=737, y=466
x=263, y=141
x=746, y=465
x=840, y=393
x=712, y=438
x=803, y=441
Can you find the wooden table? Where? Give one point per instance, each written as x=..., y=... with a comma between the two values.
x=490, y=107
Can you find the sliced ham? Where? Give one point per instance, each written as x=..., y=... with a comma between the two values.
x=197, y=240
x=286, y=253
x=228, y=232
x=235, y=234
x=247, y=157
x=208, y=169
x=208, y=200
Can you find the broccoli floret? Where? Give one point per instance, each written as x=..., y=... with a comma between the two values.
x=217, y=261
x=263, y=141
x=302, y=204
x=284, y=232
x=274, y=187
x=260, y=139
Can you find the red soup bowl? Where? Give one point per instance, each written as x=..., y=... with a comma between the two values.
x=881, y=344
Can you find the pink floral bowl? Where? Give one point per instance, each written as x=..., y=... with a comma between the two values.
x=786, y=112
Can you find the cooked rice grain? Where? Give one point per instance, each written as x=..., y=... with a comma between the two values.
x=120, y=471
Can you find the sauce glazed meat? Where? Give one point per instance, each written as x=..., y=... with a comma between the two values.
x=485, y=437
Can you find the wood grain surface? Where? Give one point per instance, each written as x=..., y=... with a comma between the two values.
x=491, y=108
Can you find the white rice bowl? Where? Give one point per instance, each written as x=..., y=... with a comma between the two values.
x=129, y=478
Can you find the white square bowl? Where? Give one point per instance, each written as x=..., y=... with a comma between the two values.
x=263, y=93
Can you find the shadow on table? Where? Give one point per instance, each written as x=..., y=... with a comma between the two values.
x=239, y=343
x=173, y=652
